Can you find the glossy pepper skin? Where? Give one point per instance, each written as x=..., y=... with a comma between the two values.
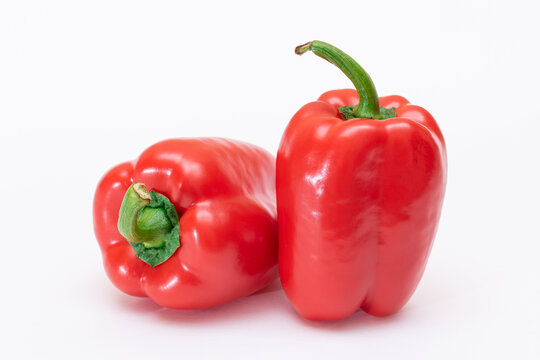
x=358, y=206
x=224, y=194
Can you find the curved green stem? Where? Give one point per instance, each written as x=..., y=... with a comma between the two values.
x=368, y=107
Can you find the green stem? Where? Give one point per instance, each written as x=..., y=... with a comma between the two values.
x=139, y=222
x=149, y=222
x=368, y=107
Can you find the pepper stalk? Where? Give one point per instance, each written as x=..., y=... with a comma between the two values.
x=149, y=222
x=368, y=107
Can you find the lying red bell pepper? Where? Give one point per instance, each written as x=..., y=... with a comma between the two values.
x=205, y=234
x=360, y=185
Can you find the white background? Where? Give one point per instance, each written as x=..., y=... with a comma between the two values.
x=85, y=85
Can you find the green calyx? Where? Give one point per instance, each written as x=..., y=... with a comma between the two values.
x=149, y=222
x=368, y=107
x=348, y=112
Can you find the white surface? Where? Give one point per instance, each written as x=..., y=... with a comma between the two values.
x=85, y=85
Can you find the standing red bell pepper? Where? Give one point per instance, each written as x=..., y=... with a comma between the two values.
x=205, y=234
x=360, y=186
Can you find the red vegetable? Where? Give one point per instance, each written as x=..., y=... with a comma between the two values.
x=214, y=198
x=359, y=195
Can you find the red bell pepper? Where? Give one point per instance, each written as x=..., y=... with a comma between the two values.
x=205, y=234
x=360, y=185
